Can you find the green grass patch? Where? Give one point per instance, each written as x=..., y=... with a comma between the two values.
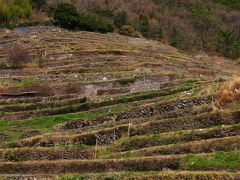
x=165, y=174
x=45, y=124
x=127, y=81
x=106, y=176
x=22, y=83
x=220, y=159
x=187, y=84
x=172, y=96
x=236, y=126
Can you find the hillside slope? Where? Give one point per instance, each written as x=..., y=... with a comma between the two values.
x=106, y=103
x=212, y=26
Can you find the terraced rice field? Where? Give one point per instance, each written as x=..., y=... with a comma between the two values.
x=105, y=106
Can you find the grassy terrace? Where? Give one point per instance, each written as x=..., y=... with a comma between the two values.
x=229, y=160
x=194, y=147
x=76, y=105
x=177, y=137
x=178, y=142
x=12, y=101
x=106, y=135
x=162, y=175
x=217, y=161
x=224, y=144
x=46, y=124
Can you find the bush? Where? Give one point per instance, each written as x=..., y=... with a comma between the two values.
x=93, y=22
x=228, y=44
x=129, y=30
x=143, y=25
x=156, y=31
x=175, y=37
x=67, y=16
x=38, y=4
x=11, y=156
x=104, y=13
x=182, y=40
x=3, y=66
x=120, y=19
x=18, y=56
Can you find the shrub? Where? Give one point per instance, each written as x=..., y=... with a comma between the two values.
x=94, y=22
x=18, y=56
x=3, y=65
x=127, y=81
x=120, y=19
x=67, y=16
x=228, y=44
x=175, y=37
x=11, y=156
x=38, y=4
x=143, y=25
x=155, y=31
x=202, y=20
x=105, y=12
x=129, y=30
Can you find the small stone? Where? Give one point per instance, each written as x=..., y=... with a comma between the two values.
x=105, y=79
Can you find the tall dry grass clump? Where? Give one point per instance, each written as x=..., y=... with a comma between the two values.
x=18, y=56
x=2, y=88
x=229, y=93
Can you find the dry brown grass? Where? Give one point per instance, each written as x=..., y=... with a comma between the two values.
x=33, y=68
x=18, y=56
x=2, y=88
x=229, y=93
